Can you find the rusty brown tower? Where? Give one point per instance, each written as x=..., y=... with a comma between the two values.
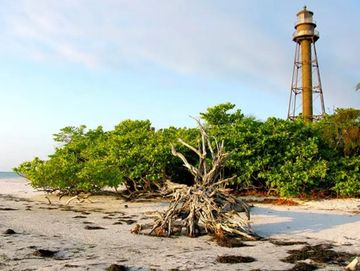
x=306, y=75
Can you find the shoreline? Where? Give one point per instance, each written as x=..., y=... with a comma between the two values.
x=93, y=235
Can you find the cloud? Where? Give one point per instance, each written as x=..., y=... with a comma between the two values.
x=186, y=37
x=236, y=41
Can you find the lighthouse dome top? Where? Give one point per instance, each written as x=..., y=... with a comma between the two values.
x=305, y=26
x=305, y=16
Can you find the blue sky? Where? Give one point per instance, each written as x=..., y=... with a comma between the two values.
x=98, y=62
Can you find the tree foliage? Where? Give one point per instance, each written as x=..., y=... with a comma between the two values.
x=278, y=156
x=133, y=154
x=275, y=155
x=342, y=131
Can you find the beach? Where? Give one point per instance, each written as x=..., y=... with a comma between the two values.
x=96, y=233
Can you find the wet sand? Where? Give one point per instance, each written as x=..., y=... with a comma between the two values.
x=94, y=235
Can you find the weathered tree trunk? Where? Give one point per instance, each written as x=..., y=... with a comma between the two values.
x=205, y=207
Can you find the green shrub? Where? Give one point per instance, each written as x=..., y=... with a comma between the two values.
x=346, y=176
x=284, y=157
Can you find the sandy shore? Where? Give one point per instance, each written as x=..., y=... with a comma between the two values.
x=94, y=235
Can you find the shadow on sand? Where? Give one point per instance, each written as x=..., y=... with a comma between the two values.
x=298, y=221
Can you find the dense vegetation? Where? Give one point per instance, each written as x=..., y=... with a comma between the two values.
x=286, y=158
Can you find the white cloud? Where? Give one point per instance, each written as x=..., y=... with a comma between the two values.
x=183, y=36
x=231, y=40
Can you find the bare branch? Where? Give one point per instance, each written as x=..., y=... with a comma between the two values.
x=204, y=207
x=193, y=170
x=190, y=147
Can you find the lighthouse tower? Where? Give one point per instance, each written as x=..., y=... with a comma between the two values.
x=306, y=76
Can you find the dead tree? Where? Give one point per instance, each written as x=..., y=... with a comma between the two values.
x=205, y=207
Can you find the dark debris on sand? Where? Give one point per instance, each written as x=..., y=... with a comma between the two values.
x=287, y=243
x=229, y=242
x=128, y=221
x=117, y=267
x=301, y=266
x=45, y=253
x=235, y=259
x=9, y=231
x=79, y=216
x=321, y=253
x=7, y=209
x=94, y=228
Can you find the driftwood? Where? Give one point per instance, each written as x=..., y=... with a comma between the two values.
x=169, y=188
x=81, y=197
x=49, y=201
x=205, y=207
x=354, y=265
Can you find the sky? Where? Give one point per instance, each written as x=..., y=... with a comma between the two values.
x=98, y=62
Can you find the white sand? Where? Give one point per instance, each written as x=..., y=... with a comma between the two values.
x=17, y=187
x=43, y=226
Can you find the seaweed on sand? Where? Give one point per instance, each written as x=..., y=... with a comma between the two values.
x=321, y=253
x=235, y=259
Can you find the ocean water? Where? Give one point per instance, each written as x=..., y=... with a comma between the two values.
x=8, y=175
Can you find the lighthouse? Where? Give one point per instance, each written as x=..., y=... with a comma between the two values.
x=306, y=90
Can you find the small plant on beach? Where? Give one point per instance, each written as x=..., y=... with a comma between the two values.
x=206, y=206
